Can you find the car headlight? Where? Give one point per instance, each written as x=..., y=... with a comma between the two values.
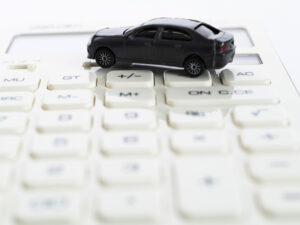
x=90, y=40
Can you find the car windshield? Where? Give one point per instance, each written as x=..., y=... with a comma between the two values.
x=207, y=31
x=128, y=30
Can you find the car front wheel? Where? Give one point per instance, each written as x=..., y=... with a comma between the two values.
x=194, y=66
x=105, y=58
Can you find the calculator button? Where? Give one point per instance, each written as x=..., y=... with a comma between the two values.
x=220, y=96
x=275, y=140
x=129, y=119
x=240, y=76
x=127, y=206
x=10, y=146
x=130, y=97
x=19, y=81
x=89, y=64
x=280, y=201
x=13, y=122
x=64, y=145
x=60, y=121
x=21, y=64
x=256, y=116
x=48, y=207
x=129, y=171
x=275, y=168
x=68, y=99
x=127, y=143
x=5, y=175
x=16, y=101
x=195, y=118
x=199, y=141
x=178, y=78
x=207, y=189
x=54, y=174
x=76, y=80
x=129, y=78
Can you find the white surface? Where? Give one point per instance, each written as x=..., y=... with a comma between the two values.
x=279, y=17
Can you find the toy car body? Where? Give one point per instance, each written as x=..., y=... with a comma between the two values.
x=191, y=44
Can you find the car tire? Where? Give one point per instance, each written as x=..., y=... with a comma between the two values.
x=105, y=58
x=194, y=66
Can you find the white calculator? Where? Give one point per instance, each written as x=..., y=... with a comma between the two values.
x=140, y=144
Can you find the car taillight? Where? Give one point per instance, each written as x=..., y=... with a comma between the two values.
x=224, y=47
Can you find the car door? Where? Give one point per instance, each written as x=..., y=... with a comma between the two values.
x=140, y=45
x=172, y=45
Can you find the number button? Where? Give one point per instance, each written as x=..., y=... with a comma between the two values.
x=48, y=207
x=65, y=145
x=120, y=206
x=129, y=119
x=126, y=143
x=129, y=79
x=54, y=174
x=55, y=121
x=13, y=122
x=129, y=171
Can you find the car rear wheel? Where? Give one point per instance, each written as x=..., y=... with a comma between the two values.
x=194, y=66
x=105, y=58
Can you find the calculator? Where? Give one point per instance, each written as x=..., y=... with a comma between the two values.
x=144, y=144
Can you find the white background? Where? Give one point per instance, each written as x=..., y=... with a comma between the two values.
x=280, y=18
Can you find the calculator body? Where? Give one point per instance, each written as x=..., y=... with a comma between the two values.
x=143, y=143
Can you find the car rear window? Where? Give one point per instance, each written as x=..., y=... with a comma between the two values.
x=175, y=34
x=207, y=31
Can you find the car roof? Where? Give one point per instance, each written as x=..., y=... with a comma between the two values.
x=177, y=22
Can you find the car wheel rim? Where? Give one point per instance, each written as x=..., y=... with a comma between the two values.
x=194, y=67
x=104, y=58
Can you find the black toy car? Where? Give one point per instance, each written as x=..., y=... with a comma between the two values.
x=186, y=43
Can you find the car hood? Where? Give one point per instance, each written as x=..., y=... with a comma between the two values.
x=118, y=31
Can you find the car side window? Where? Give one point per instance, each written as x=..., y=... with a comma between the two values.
x=146, y=33
x=175, y=34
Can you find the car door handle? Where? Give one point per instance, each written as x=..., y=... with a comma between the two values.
x=178, y=46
